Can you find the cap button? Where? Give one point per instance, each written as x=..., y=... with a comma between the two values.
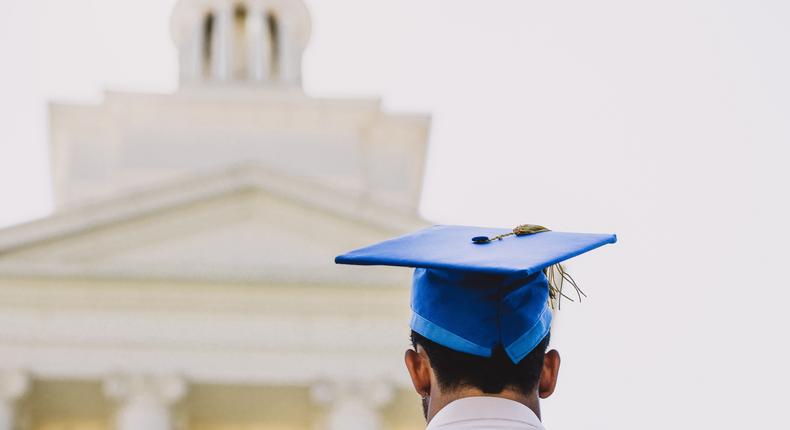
x=480, y=240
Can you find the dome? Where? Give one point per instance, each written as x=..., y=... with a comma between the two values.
x=256, y=41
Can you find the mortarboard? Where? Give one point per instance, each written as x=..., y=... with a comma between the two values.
x=475, y=288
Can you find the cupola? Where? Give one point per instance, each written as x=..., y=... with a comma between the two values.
x=240, y=41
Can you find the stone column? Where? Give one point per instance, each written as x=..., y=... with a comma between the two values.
x=351, y=405
x=290, y=59
x=259, y=43
x=144, y=401
x=222, y=43
x=191, y=56
x=13, y=385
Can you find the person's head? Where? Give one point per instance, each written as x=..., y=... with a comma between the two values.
x=440, y=374
x=485, y=295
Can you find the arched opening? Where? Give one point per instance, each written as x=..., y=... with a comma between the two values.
x=240, y=52
x=208, y=48
x=273, y=29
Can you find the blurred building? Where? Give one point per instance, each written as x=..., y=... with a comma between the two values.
x=186, y=277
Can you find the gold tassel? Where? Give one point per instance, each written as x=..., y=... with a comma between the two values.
x=557, y=276
x=522, y=230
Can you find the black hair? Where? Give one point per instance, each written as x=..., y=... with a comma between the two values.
x=491, y=375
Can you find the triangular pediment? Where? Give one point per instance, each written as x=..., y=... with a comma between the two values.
x=244, y=230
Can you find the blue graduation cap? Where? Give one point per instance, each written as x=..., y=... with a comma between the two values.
x=475, y=288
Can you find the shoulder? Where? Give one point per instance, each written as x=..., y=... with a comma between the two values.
x=485, y=413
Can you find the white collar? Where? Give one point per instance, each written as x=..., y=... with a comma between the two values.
x=472, y=409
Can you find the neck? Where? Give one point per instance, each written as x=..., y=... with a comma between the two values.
x=439, y=400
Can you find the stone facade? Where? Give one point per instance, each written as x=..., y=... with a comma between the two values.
x=186, y=277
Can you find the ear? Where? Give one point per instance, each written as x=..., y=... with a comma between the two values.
x=420, y=371
x=548, y=376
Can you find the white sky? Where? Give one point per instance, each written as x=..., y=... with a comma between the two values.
x=666, y=122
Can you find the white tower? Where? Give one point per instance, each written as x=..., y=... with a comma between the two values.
x=240, y=102
x=250, y=41
x=186, y=279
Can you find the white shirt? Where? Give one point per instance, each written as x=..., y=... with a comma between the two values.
x=485, y=413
